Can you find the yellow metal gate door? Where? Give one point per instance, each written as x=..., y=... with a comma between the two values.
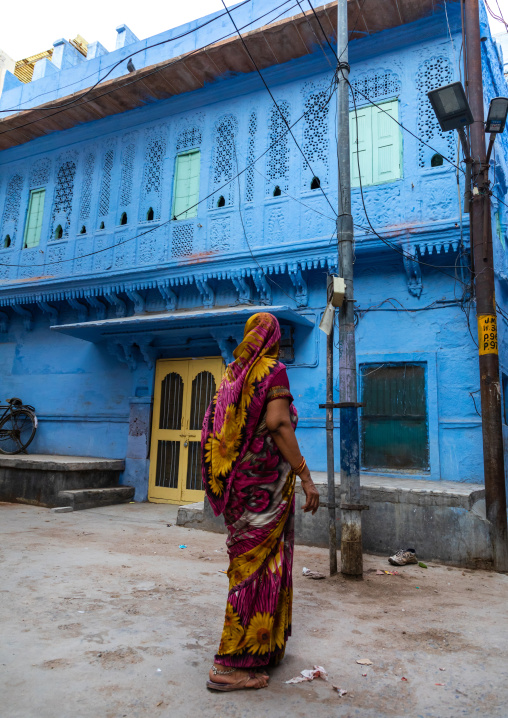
x=183, y=390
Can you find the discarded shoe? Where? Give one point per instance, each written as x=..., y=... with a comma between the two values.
x=403, y=557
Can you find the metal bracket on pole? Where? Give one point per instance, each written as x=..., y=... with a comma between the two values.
x=354, y=507
x=341, y=405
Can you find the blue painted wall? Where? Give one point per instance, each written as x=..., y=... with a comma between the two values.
x=84, y=393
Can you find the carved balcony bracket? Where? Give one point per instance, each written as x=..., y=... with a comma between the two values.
x=227, y=343
x=300, y=285
x=117, y=303
x=148, y=352
x=49, y=309
x=27, y=316
x=81, y=309
x=413, y=271
x=123, y=351
x=169, y=297
x=264, y=289
x=242, y=287
x=100, y=307
x=207, y=293
x=139, y=302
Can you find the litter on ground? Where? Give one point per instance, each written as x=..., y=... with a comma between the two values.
x=364, y=661
x=312, y=574
x=182, y=545
x=308, y=674
x=340, y=691
x=389, y=573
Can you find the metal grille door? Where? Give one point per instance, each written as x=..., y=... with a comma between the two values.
x=203, y=389
x=394, y=425
x=183, y=391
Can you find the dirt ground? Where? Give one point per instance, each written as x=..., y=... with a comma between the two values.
x=104, y=616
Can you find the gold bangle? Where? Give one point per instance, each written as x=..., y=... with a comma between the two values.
x=301, y=466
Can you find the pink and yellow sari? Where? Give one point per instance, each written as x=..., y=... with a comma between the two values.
x=247, y=479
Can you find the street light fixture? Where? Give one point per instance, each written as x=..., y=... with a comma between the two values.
x=451, y=106
x=496, y=119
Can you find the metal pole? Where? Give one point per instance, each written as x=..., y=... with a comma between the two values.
x=330, y=459
x=351, y=529
x=481, y=239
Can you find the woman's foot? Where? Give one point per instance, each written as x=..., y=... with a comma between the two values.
x=237, y=678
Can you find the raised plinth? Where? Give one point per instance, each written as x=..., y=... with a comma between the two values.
x=40, y=478
x=443, y=520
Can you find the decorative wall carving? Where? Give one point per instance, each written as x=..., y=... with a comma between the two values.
x=277, y=166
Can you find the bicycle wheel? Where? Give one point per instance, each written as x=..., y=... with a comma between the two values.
x=17, y=431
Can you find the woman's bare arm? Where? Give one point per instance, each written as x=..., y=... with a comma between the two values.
x=278, y=423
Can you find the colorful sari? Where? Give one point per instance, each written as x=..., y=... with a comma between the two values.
x=247, y=479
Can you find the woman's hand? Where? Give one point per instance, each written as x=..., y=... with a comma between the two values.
x=311, y=494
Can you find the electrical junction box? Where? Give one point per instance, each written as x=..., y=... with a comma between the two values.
x=338, y=291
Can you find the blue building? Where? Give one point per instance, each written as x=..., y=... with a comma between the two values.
x=145, y=214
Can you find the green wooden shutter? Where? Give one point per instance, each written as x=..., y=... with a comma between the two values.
x=386, y=141
x=186, y=192
x=364, y=147
x=33, y=225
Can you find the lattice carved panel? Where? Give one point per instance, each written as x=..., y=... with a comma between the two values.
x=62, y=201
x=127, y=174
x=373, y=86
x=315, y=133
x=86, y=190
x=433, y=72
x=105, y=190
x=39, y=173
x=12, y=205
x=188, y=138
x=251, y=154
x=151, y=185
x=223, y=160
x=182, y=240
x=277, y=169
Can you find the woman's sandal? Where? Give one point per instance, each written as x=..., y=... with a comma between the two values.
x=238, y=685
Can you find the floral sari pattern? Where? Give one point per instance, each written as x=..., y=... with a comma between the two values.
x=247, y=479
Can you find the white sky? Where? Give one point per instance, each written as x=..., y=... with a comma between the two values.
x=33, y=26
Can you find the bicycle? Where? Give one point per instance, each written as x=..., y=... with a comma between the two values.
x=18, y=425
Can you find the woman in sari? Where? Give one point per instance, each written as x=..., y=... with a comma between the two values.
x=250, y=458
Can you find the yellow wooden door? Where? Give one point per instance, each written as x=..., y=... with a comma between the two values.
x=183, y=390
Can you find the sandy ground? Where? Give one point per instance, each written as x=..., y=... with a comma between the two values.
x=104, y=616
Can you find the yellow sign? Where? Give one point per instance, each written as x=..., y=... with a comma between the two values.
x=487, y=334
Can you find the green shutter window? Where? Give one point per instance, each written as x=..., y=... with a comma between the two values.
x=379, y=144
x=186, y=189
x=33, y=225
x=363, y=149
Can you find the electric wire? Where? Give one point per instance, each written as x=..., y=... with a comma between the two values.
x=113, y=67
x=283, y=117
x=267, y=276
x=126, y=84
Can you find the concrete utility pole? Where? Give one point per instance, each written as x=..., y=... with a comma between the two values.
x=481, y=240
x=351, y=532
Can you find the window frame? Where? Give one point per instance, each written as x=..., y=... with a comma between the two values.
x=33, y=193
x=370, y=180
x=194, y=210
x=431, y=385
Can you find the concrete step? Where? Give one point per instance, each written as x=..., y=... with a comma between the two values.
x=91, y=498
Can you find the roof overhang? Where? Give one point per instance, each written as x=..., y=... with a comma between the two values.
x=274, y=44
x=167, y=325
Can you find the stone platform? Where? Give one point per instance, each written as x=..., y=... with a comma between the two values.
x=442, y=520
x=80, y=482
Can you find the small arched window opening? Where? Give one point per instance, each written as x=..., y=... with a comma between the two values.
x=276, y=191
x=436, y=160
x=316, y=183
x=82, y=230
x=7, y=241
x=149, y=215
x=221, y=202
x=123, y=218
x=59, y=232
x=101, y=226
